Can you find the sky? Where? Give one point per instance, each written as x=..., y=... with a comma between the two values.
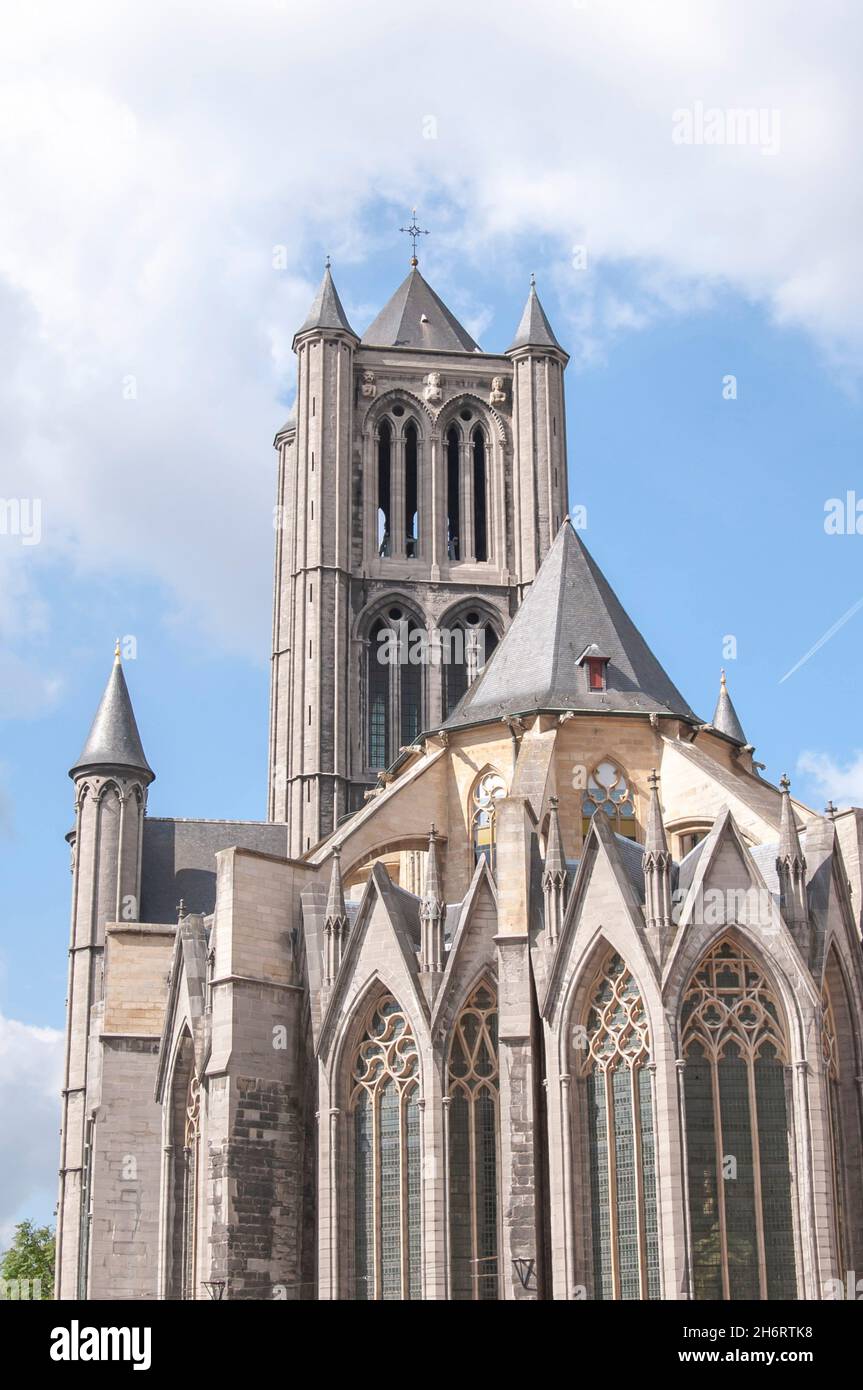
x=684, y=180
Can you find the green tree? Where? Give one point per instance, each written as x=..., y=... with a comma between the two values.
x=27, y=1268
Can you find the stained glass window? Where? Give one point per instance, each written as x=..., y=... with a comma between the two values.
x=614, y=1047
x=386, y=1136
x=608, y=790
x=830, y=1050
x=737, y=1131
x=489, y=789
x=472, y=1075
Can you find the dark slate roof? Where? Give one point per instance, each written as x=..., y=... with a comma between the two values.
x=534, y=329
x=416, y=318
x=113, y=740
x=326, y=311
x=569, y=605
x=725, y=718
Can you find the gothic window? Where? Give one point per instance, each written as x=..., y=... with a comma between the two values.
x=737, y=1131
x=411, y=492
x=394, y=685
x=608, y=790
x=489, y=789
x=386, y=1139
x=472, y=1117
x=830, y=1050
x=480, y=502
x=453, y=493
x=384, y=510
x=614, y=1046
x=466, y=646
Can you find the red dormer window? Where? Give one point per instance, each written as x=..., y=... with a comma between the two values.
x=596, y=673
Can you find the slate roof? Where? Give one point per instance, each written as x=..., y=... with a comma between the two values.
x=326, y=310
x=534, y=330
x=113, y=740
x=569, y=605
x=416, y=318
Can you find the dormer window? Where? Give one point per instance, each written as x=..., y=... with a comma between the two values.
x=595, y=665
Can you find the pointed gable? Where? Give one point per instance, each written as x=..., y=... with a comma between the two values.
x=416, y=318
x=569, y=606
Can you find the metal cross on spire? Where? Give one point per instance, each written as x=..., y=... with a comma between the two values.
x=414, y=231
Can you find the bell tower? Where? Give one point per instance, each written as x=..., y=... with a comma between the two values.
x=421, y=482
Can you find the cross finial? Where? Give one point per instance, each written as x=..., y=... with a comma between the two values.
x=117, y=652
x=785, y=782
x=653, y=780
x=414, y=231
x=830, y=810
x=532, y=281
x=327, y=263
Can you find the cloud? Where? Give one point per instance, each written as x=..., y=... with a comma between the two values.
x=153, y=160
x=31, y=1061
x=844, y=784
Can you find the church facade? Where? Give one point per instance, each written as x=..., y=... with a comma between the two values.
x=530, y=986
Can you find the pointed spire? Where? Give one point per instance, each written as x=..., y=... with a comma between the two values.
x=791, y=862
x=336, y=923
x=113, y=740
x=534, y=330
x=554, y=877
x=725, y=715
x=326, y=312
x=432, y=912
x=657, y=874
x=416, y=317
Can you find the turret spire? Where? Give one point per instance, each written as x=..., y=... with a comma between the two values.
x=534, y=330
x=326, y=311
x=554, y=879
x=725, y=718
x=657, y=873
x=432, y=912
x=335, y=922
x=113, y=740
x=791, y=863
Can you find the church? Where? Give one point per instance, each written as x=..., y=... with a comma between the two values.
x=530, y=986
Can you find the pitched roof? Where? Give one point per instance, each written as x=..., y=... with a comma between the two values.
x=113, y=740
x=416, y=318
x=534, y=330
x=725, y=718
x=569, y=605
x=326, y=310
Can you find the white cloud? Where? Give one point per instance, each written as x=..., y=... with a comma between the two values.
x=153, y=156
x=31, y=1062
x=844, y=784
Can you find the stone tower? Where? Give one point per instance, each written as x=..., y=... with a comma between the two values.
x=111, y=778
x=421, y=482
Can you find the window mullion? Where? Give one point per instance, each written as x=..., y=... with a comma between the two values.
x=756, y=1174
x=635, y=1106
x=471, y=1168
x=720, y=1177
x=611, y=1158
x=377, y=1253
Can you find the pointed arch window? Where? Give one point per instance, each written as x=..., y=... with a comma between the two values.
x=737, y=1131
x=384, y=508
x=453, y=494
x=412, y=520
x=191, y=1178
x=608, y=790
x=394, y=685
x=614, y=1047
x=487, y=791
x=473, y=1128
x=480, y=494
x=832, y=1064
x=466, y=645
x=384, y=1106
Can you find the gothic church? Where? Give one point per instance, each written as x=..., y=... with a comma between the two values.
x=530, y=986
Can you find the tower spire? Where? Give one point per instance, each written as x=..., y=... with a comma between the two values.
x=725, y=718
x=113, y=740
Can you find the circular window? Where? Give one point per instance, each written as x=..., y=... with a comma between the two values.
x=395, y=614
x=466, y=414
x=398, y=410
x=472, y=618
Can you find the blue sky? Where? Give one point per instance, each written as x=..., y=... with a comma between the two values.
x=147, y=350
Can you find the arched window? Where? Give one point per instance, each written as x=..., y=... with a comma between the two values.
x=191, y=1177
x=614, y=1050
x=737, y=1131
x=453, y=494
x=480, y=494
x=384, y=1105
x=184, y=1172
x=412, y=530
x=489, y=789
x=472, y=1088
x=466, y=645
x=385, y=528
x=394, y=685
x=608, y=790
x=832, y=1068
